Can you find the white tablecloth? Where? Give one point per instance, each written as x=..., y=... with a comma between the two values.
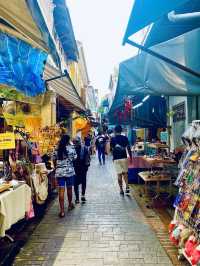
x=13, y=206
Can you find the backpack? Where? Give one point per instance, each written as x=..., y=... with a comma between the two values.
x=119, y=148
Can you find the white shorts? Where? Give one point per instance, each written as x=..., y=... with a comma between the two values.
x=121, y=166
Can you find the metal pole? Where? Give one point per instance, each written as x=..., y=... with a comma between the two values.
x=164, y=58
x=197, y=108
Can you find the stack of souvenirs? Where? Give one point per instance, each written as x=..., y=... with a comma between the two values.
x=185, y=227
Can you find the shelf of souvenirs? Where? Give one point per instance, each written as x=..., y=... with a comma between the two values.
x=158, y=145
x=187, y=242
x=155, y=176
x=159, y=159
x=188, y=223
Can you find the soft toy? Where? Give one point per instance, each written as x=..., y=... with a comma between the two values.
x=190, y=245
x=184, y=235
x=195, y=258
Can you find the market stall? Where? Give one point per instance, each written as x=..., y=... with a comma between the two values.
x=12, y=209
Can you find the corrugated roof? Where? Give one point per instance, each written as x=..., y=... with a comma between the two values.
x=63, y=87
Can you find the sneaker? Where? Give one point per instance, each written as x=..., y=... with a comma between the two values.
x=71, y=207
x=83, y=199
x=127, y=190
x=77, y=201
x=121, y=192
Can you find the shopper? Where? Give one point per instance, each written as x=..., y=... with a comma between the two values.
x=101, y=147
x=119, y=146
x=81, y=165
x=63, y=160
x=88, y=140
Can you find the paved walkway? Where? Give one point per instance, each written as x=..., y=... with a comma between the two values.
x=108, y=230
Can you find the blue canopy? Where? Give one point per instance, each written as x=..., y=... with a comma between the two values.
x=64, y=30
x=40, y=22
x=147, y=75
x=184, y=18
x=21, y=65
x=145, y=12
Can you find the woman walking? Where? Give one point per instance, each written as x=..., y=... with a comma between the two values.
x=81, y=165
x=64, y=157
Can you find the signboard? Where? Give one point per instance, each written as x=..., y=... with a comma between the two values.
x=179, y=112
x=7, y=141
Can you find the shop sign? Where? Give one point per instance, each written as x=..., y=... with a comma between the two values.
x=7, y=141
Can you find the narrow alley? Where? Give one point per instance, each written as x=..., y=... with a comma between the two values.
x=108, y=230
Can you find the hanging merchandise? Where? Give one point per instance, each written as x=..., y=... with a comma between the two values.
x=185, y=228
x=40, y=183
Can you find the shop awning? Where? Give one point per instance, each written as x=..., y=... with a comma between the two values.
x=145, y=12
x=21, y=65
x=63, y=88
x=147, y=75
x=152, y=113
x=17, y=15
x=184, y=19
x=41, y=24
x=64, y=29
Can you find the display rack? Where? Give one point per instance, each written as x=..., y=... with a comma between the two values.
x=187, y=203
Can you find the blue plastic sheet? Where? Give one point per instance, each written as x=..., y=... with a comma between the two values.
x=40, y=22
x=21, y=65
x=64, y=30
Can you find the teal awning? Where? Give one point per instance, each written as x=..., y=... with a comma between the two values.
x=183, y=19
x=145, y=12
x=148, y=75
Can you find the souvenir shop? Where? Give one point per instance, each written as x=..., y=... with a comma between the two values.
x=26, y=171
x=153, y=167
x=184, y=229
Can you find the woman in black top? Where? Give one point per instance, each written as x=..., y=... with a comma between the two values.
x=81, y=165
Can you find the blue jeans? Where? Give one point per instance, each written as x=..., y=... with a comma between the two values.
x=101, y=154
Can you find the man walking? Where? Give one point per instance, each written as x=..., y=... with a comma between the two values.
x=119, y=146
x=101, y=147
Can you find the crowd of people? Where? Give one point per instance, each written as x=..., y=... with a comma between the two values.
x=72, y=160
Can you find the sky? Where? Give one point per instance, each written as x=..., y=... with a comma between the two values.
x=100, y=25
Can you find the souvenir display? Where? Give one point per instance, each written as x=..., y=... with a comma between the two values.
x=185, y=228
x=48, y=139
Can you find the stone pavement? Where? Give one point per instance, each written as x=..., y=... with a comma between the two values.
x=108, y=230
